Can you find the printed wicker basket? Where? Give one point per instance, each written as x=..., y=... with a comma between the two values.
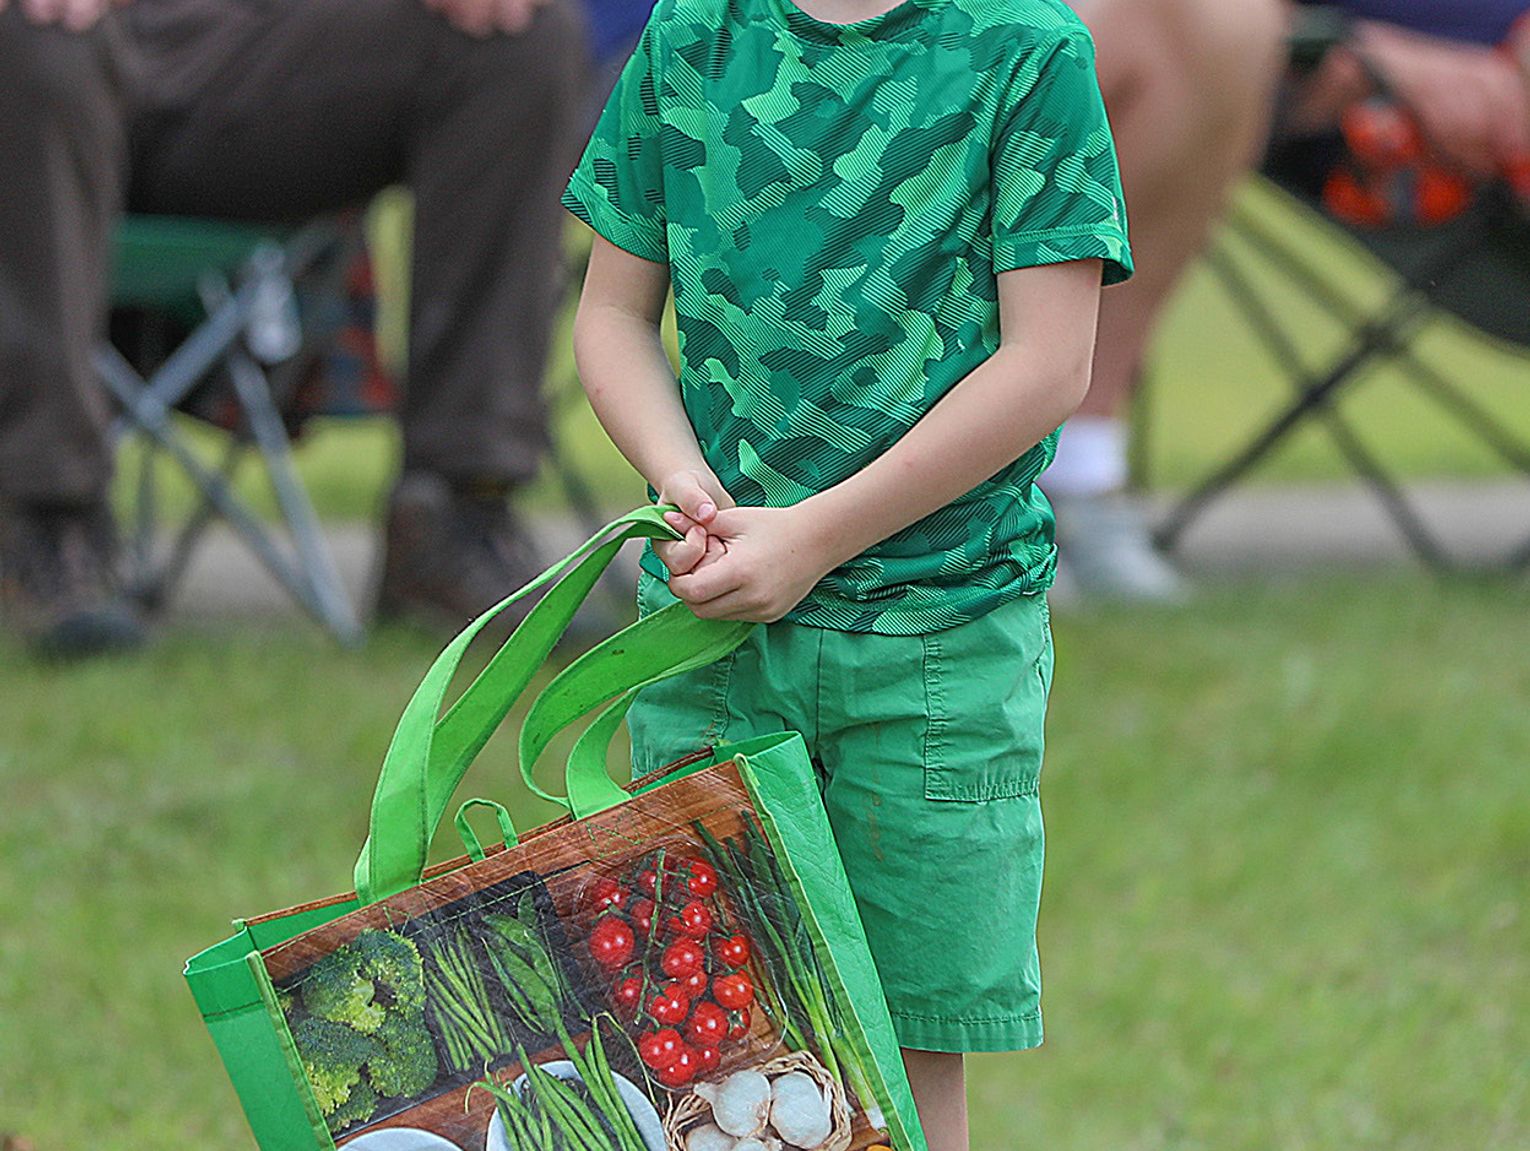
x=692, y=1111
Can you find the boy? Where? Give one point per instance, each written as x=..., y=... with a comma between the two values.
x=886, y=230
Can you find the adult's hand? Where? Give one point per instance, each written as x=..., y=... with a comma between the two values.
x=1472, y=102
x=75, y=15
x=483, y=18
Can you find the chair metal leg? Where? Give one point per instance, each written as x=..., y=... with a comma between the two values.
x=1386, y=336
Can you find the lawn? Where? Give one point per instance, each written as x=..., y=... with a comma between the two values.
x=1290, y=841
x=1290, y=829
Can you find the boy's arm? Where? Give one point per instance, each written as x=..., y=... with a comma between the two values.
x=632, y=388
x=773, y=556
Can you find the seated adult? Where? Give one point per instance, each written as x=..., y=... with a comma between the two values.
x=1190, y=87
x=275, y=110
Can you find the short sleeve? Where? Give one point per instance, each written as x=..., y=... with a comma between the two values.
x=617, y=189
x=1056, y=182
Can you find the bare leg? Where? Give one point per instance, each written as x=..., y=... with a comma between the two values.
x=1189, y=86
x=939, y=1082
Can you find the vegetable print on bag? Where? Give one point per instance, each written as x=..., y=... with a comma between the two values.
x=677, y=966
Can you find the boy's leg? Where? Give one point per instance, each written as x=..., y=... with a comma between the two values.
x=1189, y=85
x=939, y=1082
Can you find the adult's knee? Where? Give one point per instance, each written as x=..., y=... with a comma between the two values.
x=541, y=68
x=1230, y=46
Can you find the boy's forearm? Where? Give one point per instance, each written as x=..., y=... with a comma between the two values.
x=632, y=389
x=990, y=419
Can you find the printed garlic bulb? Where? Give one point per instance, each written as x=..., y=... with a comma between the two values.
x=740, y=1103
x=710, y=1138
x=799, y=1112
x=751, y=1144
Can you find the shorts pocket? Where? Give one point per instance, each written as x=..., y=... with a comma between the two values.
x=986, y=687
x=679, y=716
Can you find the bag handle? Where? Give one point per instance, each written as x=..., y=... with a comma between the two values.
x=428, y=757
x=607, y=678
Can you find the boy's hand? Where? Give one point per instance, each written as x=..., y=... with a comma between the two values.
x=699, y=496
x=770, y=558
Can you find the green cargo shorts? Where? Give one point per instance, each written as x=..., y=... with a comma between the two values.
x=928, y=750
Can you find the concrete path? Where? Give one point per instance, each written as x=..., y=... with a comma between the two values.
x=1250, y=532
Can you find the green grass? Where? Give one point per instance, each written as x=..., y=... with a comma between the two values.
x=1290, y=841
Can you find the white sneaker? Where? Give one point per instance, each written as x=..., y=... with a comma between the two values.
x=1106, y=552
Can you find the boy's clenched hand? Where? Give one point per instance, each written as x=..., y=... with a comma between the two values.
x=768, y=561
x=699, y=496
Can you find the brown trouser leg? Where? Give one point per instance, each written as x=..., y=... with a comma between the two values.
x=328, y=101
x=63, y=119
x=279, y=111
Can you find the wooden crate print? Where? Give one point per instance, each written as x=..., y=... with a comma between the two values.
x=583, y=886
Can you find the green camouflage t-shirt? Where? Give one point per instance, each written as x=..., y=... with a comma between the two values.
x=834, y=203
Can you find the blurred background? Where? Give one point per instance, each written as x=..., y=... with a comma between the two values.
x=1287, y=794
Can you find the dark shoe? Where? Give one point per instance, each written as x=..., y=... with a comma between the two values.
x=58, y=588
x=449, y=554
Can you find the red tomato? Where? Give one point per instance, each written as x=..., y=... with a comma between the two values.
x=703, y=880
x=611, y=943
x=659, y=1048
x=642, y=915
x=733, y=991
x=669, y=1006
x=711, y=1059
x=740, y=1026
x=682, y=1069
x=681, y=958
x=605, y=893
x=648, y=881
x=627, y=994
x=695, y=984
x=734, y=951
x=694, y=920
x=708, y=1025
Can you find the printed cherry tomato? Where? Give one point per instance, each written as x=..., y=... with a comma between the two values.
x=642, y=916
x=606, y=893
x=627, y=994
x=708, y=1025
x=703, y=879
x=682, y=1069
x=734, y=951
x=669, y=1006
x=740, y=1027
x=648, y=881
x=694, y=919
x=695, y=984
x=611, y=943
x=659, y=1048
x=711, y=1059
x=733, y=991
x=681, y=958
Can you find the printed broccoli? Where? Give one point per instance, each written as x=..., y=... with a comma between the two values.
x=332, y=1055
x=359, y=1108
x=361, y=1031
x=358, y=983
x=405, y=1063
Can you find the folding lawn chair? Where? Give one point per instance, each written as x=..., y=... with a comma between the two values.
x=1474, y=266
x=207, y=319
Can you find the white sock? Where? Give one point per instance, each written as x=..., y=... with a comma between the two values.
x=1091, y=458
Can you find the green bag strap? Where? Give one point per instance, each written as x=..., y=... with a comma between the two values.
x=428, y=757
x=470, y=839
x=668, y=642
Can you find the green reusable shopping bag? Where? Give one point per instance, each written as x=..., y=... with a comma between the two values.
x=676, y=953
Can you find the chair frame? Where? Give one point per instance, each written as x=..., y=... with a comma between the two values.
x=314, y=254
x=1383, y=334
